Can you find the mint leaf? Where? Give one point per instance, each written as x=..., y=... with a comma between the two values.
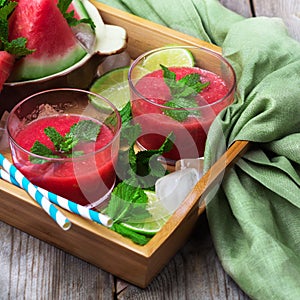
x=191, y=85
x=126, y=114
x=3, y=2
x=42, y=150
x=143, y=158
x=167, y=145
x=146, y=163
x=137, y=238
x=63, y=6
x=129, y=132
x=127, y=202
x=55, y=137
x=143, y=167
x=3, y=32
x=6, y=8
x=17, y=47
x=86, y=130
x=182, y=92
x=169, y=78
x=184, y=104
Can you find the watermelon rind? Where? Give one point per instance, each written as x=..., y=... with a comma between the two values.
x=35, y=68
x=80, y=9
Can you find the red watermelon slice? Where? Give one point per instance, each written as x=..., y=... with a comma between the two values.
x=6, y=64
x=46, y=30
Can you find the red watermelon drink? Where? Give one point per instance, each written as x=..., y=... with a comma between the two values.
x=61, y=142
x=180, y=98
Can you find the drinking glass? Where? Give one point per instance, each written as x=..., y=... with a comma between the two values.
x=150, y=96
x=85, y=176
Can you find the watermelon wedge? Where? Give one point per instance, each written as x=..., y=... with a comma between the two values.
x=6, y=65
x=47, y=31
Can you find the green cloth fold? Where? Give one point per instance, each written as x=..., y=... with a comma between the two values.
x=254, y=216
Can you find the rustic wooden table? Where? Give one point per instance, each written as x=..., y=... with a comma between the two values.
x=32, y=269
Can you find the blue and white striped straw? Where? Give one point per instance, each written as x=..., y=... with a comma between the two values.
x=47, y=206
x=66, y=204
x=78, y=209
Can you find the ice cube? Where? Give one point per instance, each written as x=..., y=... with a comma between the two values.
x=85, y=35
x=173, y=188
x=196, y=163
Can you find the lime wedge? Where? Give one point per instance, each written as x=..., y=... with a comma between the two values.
x=159, y=216
x=169, y=57
x=113, y=86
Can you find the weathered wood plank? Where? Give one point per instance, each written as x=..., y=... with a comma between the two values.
x=32, y=269
x=194, y=273
x=289, y=11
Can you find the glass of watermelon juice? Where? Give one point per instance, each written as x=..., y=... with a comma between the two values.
x=162, y=104
x=81, y=167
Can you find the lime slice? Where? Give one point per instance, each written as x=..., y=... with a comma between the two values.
x=169, y=57
x=159, y=216
x=113, y=86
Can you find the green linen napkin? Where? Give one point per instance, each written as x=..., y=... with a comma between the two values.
x=254, y=216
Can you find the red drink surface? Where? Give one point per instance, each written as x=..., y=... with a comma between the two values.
x=83, y=180
x=190, y=135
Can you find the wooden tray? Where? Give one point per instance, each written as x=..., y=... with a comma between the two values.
x=95, y=243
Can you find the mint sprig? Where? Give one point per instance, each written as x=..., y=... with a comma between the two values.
x=129, y=200
x=128, y=203
x=183, y=92
x=63, y=6
x=142, y=167
x=85, y=130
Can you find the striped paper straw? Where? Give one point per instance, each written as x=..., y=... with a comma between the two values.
x=47, y=206
x=66, y=204
x=77, y=208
